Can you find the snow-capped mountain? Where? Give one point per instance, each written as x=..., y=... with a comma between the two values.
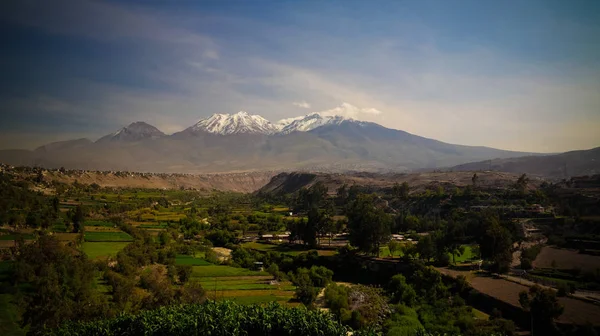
x=241, y=122
x=311, y=121
x=315, y=140
x=134, y=132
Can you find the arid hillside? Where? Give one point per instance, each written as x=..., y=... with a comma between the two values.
x=291, y=182
x=238, y=182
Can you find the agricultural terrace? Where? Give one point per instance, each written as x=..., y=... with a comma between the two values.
x=238, y=284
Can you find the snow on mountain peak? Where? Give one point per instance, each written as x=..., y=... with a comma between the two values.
x=241, y=122
x=310, y=122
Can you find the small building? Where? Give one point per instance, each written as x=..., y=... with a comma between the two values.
x=266, y=236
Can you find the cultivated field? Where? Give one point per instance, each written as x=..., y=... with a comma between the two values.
x=107, y=237
x=239, y=284
x=566, y=259
x=95, y=250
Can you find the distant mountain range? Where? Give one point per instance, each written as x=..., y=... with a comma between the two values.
x=565, y=165
x=245, y=142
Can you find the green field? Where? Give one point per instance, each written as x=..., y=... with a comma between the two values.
x=26, y=236
x=99, y=223
x=466, y=256
x=258, y=283
x=107, y=237
x=96, y=250
x=284, y=248
x=385, y=252
x=190, y=260
x=241, y=285
x=223, y=271
x=154, y=226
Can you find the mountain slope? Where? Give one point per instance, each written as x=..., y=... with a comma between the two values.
x=64, y=145
x=575, y=163
x=310, y=122
x=241, y=142
x=134, y=132
x=241, y=122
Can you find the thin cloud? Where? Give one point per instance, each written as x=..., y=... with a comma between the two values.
x=301, y=104
x=350, y=111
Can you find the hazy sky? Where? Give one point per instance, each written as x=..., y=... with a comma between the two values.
x=519, y=75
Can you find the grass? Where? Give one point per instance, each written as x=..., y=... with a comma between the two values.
x=190, y=260
x=95, y=250
x=466, y=256
x=385, y=252
x=107, y=237
x=480, y=315
x=222, y=271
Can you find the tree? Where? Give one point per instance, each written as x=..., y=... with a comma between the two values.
x=78, y=220
x=475, y=180
x=32, y=219
x=342, y=194
x=368, y=226
x=309, y=233
x=402, y=292
x=457, y=250
x=401, y=190
x=164, y=238
x=55, y=205
x=306, y=292
x=544, y=307
x=495, y=244
x=521, y=184
x=60, y=284
x=183, y=273
x=393, y=246
x=314, y=197
x=426, y=248
x=526, y=264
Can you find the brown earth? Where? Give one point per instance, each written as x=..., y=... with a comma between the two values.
x=576, y=311
x=566, y=259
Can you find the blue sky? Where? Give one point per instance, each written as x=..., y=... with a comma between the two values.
x=520, y=75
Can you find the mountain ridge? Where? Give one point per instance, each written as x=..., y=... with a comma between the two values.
x=323, y=143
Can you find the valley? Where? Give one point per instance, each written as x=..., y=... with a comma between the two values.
x=297, y=239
